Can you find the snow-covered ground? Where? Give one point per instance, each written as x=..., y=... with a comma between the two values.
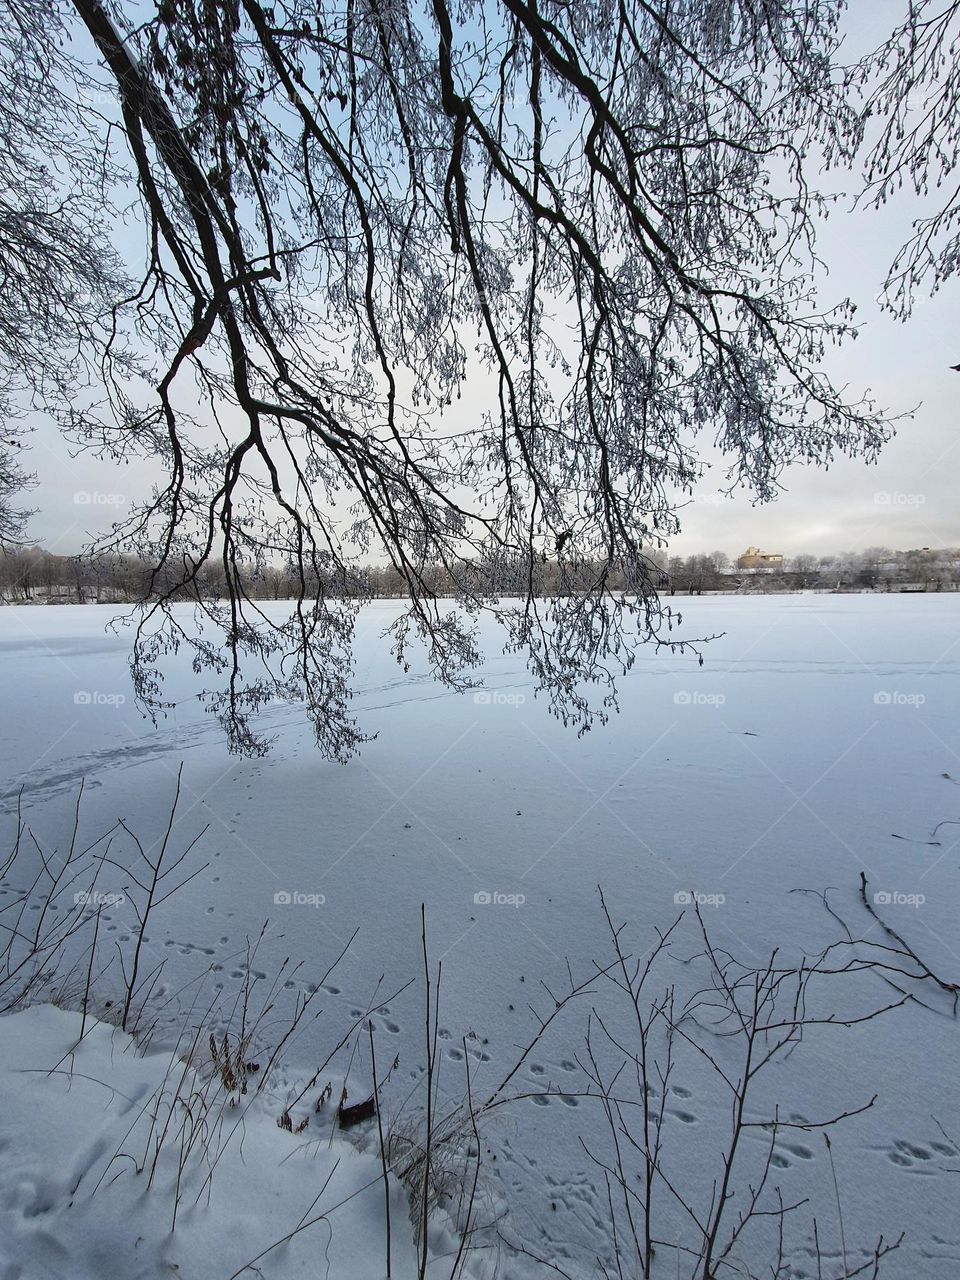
x=819, y=740
x=81, y=1122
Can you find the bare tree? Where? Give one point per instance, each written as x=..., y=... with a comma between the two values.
x=746, y=1019
x=597, y=216
x=804, y=563
x=909, y=127
x=59, y=273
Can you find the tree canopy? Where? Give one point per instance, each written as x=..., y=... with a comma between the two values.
x=59, y=275
x=460, y=286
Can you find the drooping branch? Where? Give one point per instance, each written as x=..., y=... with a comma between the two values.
x=598, y=225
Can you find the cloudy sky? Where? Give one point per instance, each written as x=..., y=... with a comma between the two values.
x=908, y=499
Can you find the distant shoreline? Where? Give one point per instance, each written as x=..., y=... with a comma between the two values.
x=743, y=592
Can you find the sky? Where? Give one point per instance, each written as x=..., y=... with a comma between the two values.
x=907, y=499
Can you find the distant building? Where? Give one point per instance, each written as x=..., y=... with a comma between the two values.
x=754, y=558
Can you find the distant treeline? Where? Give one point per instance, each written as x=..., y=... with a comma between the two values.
x=33, y=575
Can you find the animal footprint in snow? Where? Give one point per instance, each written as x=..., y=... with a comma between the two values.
x=906, y=1154
x=781, y=1161
x=795, y=1149
x=185, y=948
x=918, y=1153
x=685, y=1117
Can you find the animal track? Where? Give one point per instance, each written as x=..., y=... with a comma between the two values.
x=795, y=1149
x=185, y=948
x=685, y=1117
x=916, y=1157
x=779, y=1160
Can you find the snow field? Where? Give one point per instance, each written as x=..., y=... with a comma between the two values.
x=817, y=742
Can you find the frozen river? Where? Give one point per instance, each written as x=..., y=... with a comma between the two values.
x=818, y=741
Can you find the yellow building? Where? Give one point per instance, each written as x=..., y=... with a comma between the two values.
x=754, y=558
